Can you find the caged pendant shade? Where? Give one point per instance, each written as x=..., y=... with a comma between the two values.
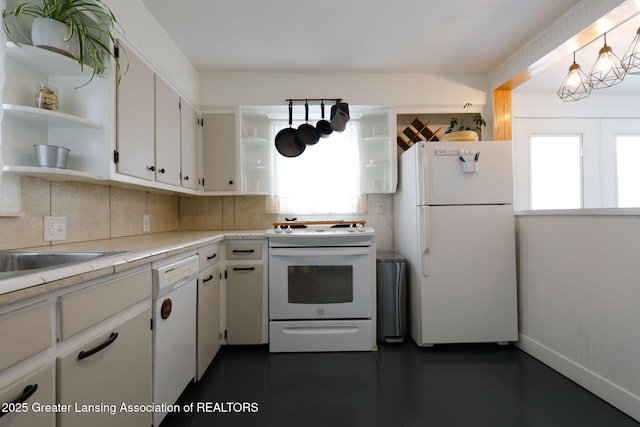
x=575, y=85
x=631, y=59
x=608, y=70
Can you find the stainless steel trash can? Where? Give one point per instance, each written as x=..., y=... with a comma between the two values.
x=391, y=284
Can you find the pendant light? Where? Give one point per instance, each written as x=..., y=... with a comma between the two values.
x=574, y=86
x=631, y=59
x=608, y=70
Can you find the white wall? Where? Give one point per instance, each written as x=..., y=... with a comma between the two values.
x=596, y=105
x=452, y=90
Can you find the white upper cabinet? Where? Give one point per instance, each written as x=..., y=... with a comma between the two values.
x=156, y=137
x=135, y=119
x=378, y=152
x=189, y=146
x=220, y=152
x=167, y=125
x=256, y=147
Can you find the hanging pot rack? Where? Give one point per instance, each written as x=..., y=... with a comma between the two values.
x=318, y=100
x=292, y=142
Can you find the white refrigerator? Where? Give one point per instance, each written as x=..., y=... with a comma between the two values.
x=454, y=222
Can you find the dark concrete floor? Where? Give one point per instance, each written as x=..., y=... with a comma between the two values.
x=400, y=385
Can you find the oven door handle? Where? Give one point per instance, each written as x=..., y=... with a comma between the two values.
x=329, y=251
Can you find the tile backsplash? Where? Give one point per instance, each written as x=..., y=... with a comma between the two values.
x=99, y=212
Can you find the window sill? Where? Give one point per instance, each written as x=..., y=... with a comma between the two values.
x=581, y=212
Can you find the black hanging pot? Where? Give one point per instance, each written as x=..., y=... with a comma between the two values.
x=323, y=126
x=339, y=116
x=287, y=142
x=307, y=134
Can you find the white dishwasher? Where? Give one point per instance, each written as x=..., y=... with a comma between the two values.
x=174, y=328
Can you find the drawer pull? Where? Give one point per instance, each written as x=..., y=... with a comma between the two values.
x=206, y=279
x=26, y=393
x=243, y=251
x=84, y=354
x=212, y=256
x=243, y=268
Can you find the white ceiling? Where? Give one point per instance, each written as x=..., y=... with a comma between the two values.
x=353, y=35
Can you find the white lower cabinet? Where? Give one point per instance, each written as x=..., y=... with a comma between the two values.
x=208, y=336
x=26, y=399
x=97, y=376
x=244, y=303
x=246, y=291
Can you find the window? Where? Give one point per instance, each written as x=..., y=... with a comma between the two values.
x=324, y=179
x=556, y=171
x=579, y=162
x=627, y=171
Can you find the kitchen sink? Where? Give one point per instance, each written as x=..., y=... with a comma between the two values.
x=14, y=263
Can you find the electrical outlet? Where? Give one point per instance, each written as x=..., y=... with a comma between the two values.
x=380, y=207
x=146, y=220
x=55, y=228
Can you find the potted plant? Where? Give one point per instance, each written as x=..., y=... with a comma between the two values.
x=458, y=130
x=83, y=28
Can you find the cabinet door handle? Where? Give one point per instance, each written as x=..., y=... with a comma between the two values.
x=212, y=256
x=84, y=354
x=243, y=268
x=151, y=168
x=207, y=279
x=230, y=182
x=161, y=170
x=243, y=251
x=26, y=393
x=186, y=178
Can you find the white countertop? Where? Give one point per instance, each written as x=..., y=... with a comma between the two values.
x=140, y=249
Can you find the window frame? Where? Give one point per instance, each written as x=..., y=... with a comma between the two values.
x=360, y=201
x=610, y=129
x=589, y=128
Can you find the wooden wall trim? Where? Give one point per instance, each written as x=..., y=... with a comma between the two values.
x=502, y=114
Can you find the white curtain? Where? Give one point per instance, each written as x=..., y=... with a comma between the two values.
x=324, y=179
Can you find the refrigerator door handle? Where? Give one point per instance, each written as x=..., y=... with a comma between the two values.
x=425, y=240
x=422, y=182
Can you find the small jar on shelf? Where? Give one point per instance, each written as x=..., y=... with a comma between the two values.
x=47, y=97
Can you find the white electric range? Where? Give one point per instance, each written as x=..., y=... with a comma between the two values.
x=321, y=287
